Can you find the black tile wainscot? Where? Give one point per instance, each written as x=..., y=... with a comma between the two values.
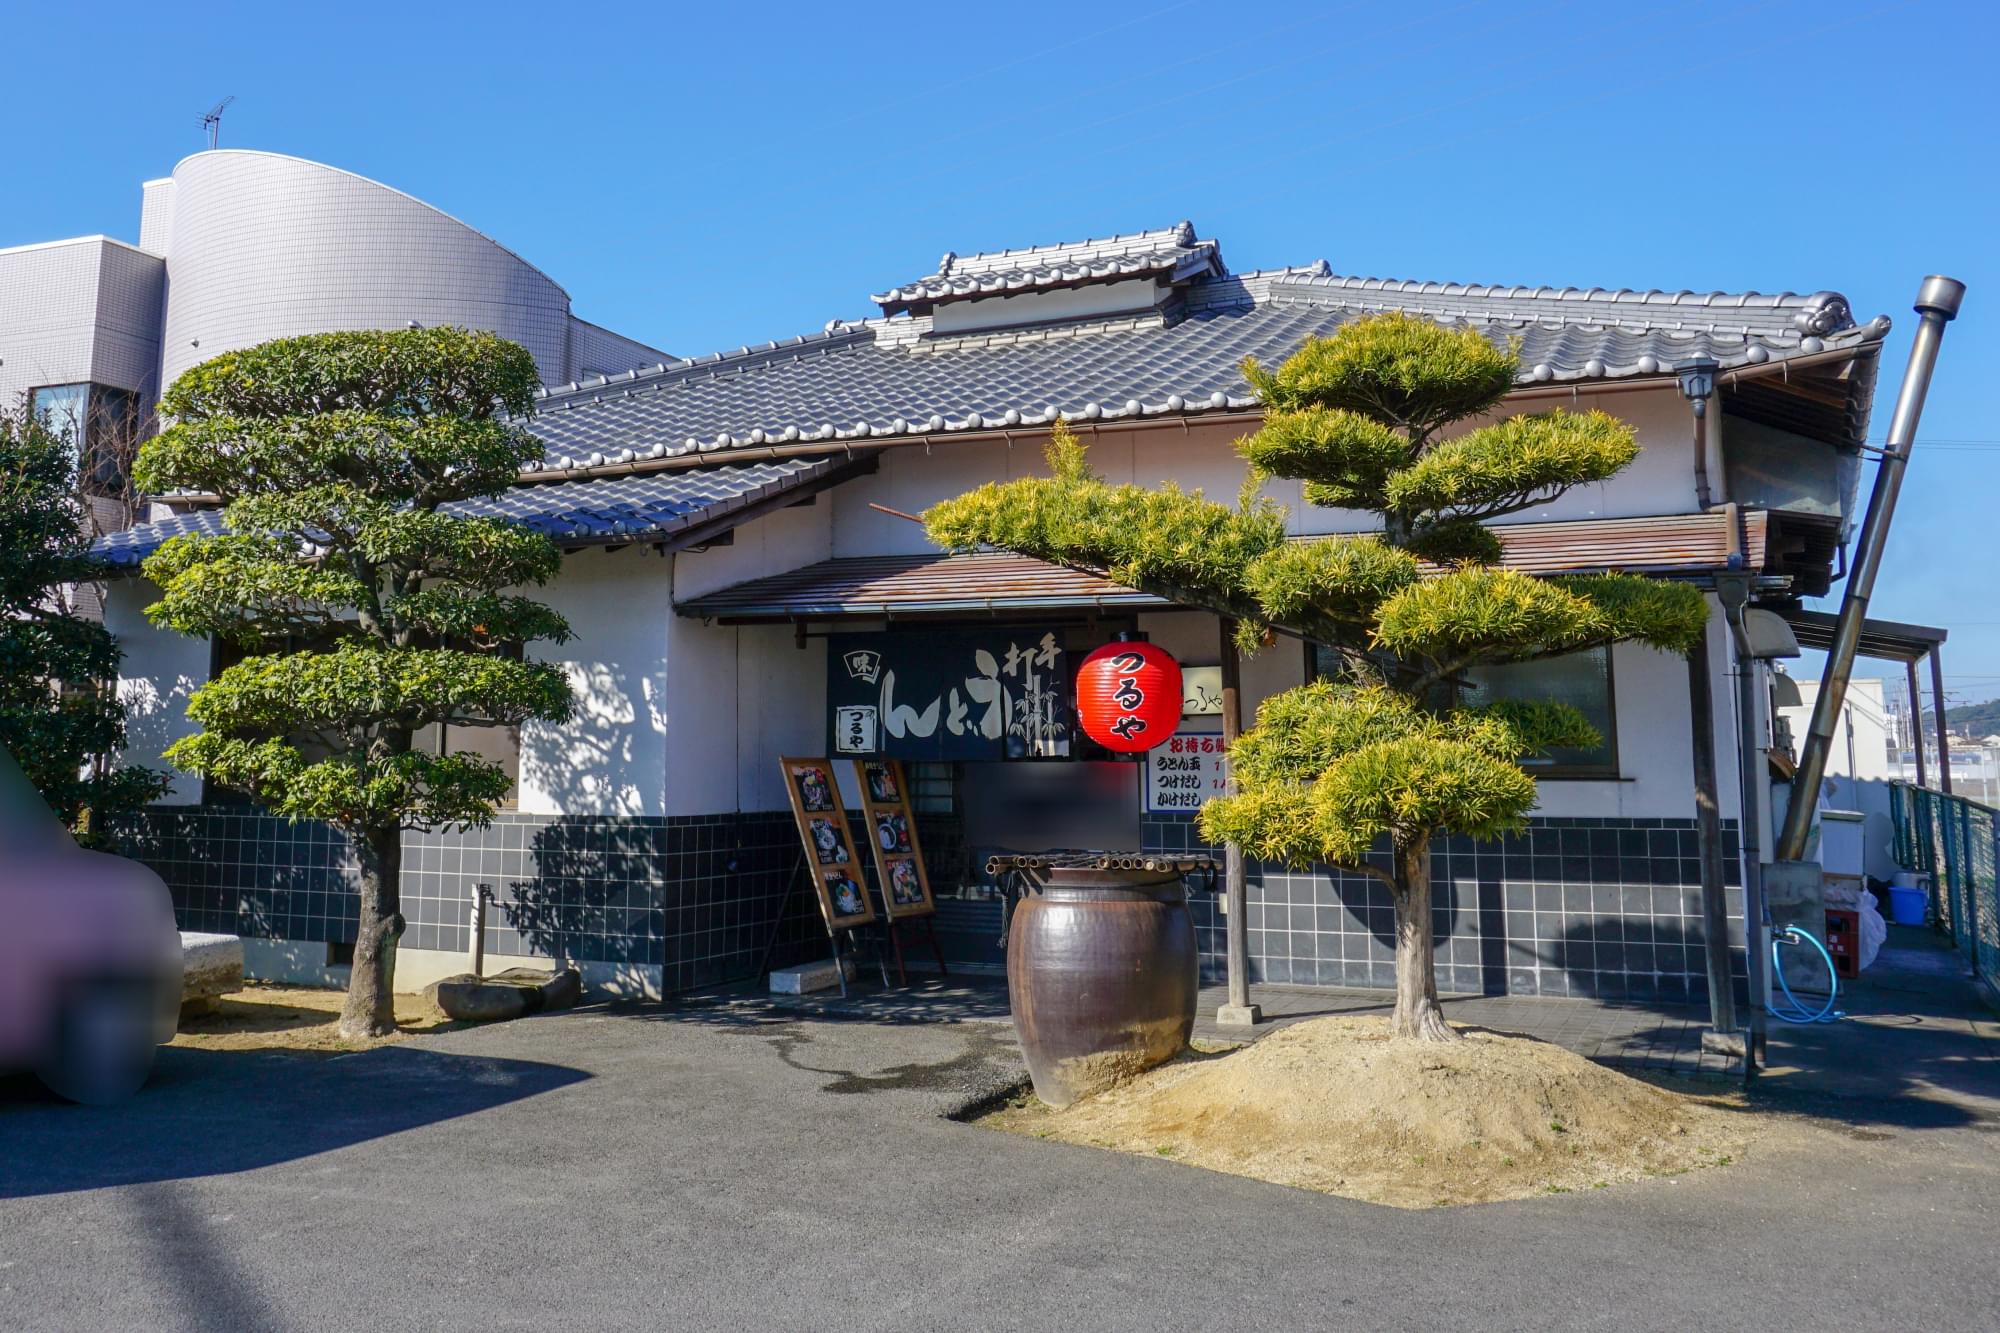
x=1607, y=908
x=701, y=897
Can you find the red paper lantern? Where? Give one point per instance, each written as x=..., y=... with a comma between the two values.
x=1128, y=696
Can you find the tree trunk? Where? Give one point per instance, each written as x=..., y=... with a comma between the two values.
x=1417, y=1013
x=370, y=1010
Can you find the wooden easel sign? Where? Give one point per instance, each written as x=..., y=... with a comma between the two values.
x=830, y=858
x=892, y=831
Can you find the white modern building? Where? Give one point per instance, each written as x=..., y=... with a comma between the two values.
x=237, y=247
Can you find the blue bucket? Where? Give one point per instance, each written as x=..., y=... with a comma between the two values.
x=1907, y=906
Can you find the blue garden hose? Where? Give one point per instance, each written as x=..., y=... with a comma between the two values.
x=1797, y=1012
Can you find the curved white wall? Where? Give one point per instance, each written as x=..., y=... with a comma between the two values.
x=263, y=246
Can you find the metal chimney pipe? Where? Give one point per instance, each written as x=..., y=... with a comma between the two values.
x=1937, y=305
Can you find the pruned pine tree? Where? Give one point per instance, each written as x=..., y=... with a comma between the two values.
x=368, y=610
x=1361, y=772
x=60, y=716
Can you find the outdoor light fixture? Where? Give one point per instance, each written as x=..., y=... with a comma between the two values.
x=1698, y=382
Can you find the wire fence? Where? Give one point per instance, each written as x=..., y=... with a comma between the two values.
x=1956, y=842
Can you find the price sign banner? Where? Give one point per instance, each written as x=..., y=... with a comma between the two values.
x=1185, y=772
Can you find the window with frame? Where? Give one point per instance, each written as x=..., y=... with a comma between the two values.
x=99, y=423
x=1583, y=680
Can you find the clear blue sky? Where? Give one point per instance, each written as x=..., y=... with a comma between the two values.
x=703, y=176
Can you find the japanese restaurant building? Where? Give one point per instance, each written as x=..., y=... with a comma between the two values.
x=745, y=582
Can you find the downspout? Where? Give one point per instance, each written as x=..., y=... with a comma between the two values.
x=1723, y=1035
x=1733, y=591
x=1698, y=386
x=1937, y=305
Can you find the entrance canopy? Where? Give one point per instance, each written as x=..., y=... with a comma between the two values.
x=1892, y=641
x=910, y=585
x=1886, y=639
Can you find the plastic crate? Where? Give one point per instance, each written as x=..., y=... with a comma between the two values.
x=1843, y=941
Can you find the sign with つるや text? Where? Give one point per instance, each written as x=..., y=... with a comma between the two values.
x=1185, y=772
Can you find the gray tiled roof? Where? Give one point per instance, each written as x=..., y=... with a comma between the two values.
x=632, y=508
x=650, y=506
x=126, y=548
x=872, y=379
x=1172, y=252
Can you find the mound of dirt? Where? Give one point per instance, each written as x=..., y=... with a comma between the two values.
x=1335, y=1105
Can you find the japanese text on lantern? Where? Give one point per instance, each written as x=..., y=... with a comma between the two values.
x=1128, y=696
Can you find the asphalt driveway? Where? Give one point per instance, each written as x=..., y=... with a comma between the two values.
x=718, y=1168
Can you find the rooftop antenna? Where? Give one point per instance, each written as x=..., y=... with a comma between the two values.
x=212, y=122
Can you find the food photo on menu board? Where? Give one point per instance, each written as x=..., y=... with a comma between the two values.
x=815, y=787
x=844, y=894
x=882, y=784
x=827, y=843
x=892, y=830
x=905, y=888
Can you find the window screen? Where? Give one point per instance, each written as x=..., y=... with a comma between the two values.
x=1581, y=680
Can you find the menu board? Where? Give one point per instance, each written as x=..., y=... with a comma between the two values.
x=1184, y=772
x=830, y=858
x=892, y=828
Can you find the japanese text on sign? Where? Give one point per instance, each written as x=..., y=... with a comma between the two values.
x=1185, y=773
x=983, y=694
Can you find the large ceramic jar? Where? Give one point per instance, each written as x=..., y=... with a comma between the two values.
x=1102, y=976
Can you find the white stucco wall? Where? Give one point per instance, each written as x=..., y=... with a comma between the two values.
x=611, y=758
x=674, y=716
x=1202, y=456
x=745, y=694
x=779, y=541
x=157, y=672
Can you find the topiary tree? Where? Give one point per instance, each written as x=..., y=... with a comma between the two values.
x=60, y=716
x=1361, y=772
x=368, y=610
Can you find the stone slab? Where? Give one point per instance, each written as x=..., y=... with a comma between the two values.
x=514, y=993
x=211, y=965
x=809, y=977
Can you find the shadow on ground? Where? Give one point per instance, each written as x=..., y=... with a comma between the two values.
x=210, y=1113
x=1917, y=1049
